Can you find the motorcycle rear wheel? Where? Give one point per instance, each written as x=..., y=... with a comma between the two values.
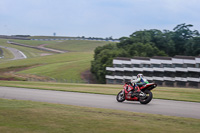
x=120, y=97
x=147, y=98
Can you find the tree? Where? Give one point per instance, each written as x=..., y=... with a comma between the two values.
x=192, y=47
x=182, y=36
x=147, y=43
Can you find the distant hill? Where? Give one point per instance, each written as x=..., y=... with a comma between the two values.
x=73, y=66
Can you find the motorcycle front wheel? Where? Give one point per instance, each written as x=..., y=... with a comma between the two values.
x=147, y=98
x=120, y=96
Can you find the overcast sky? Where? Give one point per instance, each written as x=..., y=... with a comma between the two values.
x=95, y=18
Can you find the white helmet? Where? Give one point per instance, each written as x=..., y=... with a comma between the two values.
x=140, y=76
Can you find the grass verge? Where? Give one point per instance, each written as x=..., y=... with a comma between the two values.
x=180, y=94
x=69, y=45
x=68, y=66
x=25, y=116
x=59, y=66
x=29, y=52
x=7, y=55
x=78, y=45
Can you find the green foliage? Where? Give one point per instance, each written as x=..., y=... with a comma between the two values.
x=103, y=57
x=183, y=37
x=147, y=43
x=145, y=50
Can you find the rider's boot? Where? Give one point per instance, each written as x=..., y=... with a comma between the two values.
x=136, y=92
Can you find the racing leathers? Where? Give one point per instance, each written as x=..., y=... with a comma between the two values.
x=139, y=82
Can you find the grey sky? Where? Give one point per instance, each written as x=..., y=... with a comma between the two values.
x=96, y=18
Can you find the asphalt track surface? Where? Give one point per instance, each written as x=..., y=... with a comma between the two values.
x=156, y=106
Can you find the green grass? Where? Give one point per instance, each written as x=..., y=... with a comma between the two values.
x=69, y=45
x=59, y=66
x=70, y=70
x=29, y=52
x=78, y=45
x=34, y=43
x=7, y=55
x=49, y=37
x=67, y=66
x=181, y=94
x=26, y=116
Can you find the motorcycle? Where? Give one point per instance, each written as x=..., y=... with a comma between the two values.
x=141, y=93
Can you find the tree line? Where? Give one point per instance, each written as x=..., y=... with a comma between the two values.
x=147, y=43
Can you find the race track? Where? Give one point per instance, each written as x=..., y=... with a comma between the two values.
x=156, y=106
x=17, y=54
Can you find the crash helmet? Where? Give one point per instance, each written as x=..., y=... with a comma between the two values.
x=140, y=75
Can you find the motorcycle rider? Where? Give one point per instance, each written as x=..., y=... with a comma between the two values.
x=140, y=81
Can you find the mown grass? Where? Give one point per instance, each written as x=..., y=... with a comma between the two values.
x=50, y=37
x=61, y=71
x=69, y=45
x=25, y=116
x=181, y=94
x=68, y=66
x=29, y=52
x=59, y=66
x=7, y=55
x=34, y=43
x=78, y=45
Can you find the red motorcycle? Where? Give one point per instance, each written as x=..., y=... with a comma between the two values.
x=140, y=93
